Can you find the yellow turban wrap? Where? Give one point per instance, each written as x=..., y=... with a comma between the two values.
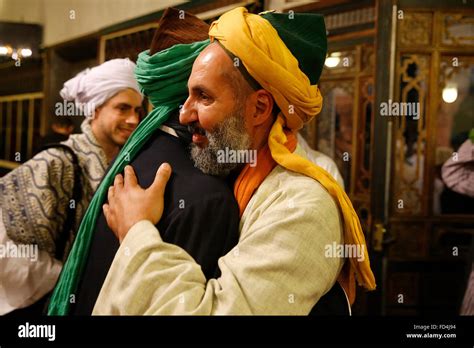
x=268, y=60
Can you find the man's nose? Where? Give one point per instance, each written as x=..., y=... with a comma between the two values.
x=187, y=113
x=133, y=118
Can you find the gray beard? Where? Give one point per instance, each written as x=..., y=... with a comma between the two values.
x=232, y=134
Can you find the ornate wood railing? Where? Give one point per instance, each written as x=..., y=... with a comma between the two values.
x=19, y=127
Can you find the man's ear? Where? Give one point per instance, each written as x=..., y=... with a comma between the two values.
x=96, y=113
x=263, y=107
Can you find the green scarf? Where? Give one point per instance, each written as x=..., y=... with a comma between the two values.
x=163, y=78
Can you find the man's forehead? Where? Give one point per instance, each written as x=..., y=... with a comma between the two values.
x=213, y=62
x=128, y=96
x=213, y=52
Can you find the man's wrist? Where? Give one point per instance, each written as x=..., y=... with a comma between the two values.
x=132, y=228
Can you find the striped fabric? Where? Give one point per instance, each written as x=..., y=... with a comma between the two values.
x=458, y=171
x=35, y=196
x=467, y=307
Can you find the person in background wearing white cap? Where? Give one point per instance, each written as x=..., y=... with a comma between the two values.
x=42, y=201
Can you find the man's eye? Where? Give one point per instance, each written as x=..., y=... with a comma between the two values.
x=204, y=96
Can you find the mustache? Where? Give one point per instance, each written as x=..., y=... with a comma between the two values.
x=194, y=128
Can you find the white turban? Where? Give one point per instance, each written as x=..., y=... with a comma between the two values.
x=93, y=87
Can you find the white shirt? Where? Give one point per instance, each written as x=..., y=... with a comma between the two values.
x=26, y=278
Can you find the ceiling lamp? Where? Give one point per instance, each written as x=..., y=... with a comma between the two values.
x=333, y=60
x=450, y=94
x=14, y=53
x=25, y=52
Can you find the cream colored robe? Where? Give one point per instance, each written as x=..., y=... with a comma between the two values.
x=278, y=266
x=322, y=160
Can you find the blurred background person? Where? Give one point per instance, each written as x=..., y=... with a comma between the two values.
x=61, y=128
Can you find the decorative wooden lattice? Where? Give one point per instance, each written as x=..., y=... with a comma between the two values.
x=344, y=129
x=128, y=43
x=410, y=135
x=19, y=127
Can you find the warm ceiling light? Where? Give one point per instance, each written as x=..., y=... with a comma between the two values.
x=450, y=94
x=25, y=52
x=3, y=50
x=333, y=60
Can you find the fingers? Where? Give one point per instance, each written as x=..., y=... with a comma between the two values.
x=109, y=218
x=162, y=176
x=106, y=210
x=110, y=193
x=130, y=177
x=118, y=182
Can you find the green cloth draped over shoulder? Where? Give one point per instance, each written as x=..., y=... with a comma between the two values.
x=163, y=78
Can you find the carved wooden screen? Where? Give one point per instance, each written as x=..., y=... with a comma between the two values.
x=436, y=72
x=434, y=93
x=19, y=128
x=344, y=128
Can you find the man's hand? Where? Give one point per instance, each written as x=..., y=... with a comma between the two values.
x=129, y=203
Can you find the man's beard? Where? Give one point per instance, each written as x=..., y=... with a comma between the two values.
x=231, y=134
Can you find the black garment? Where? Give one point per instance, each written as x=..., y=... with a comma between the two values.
x=201, y=216
x=453, y=202
x=53, y=138
x=333, y=303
